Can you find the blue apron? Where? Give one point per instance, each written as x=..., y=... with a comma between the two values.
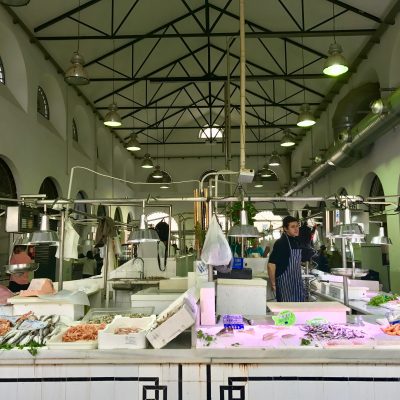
x=289, y=285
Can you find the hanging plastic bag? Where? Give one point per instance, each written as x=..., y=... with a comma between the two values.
x=71, y=240
x=216, y=250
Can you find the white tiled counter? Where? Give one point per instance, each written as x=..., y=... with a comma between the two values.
x=203, y=374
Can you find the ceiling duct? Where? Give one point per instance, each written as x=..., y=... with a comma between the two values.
x=349, y=112
x=363, y=134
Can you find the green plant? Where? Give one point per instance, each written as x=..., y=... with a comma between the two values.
x=208, y=339
x=233, y=211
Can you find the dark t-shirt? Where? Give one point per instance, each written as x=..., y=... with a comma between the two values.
x=281, y=253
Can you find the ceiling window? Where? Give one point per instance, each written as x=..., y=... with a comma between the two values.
x=42, y=103
x=2, y=76
x=75, y=135
x=376, y=190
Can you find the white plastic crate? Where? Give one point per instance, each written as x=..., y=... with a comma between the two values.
x=109, y=340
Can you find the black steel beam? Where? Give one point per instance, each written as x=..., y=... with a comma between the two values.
x=196, y=127
x=249, y=35
x=216, y=78
x=356, y=10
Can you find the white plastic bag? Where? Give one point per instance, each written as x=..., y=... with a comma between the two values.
x=216, y=250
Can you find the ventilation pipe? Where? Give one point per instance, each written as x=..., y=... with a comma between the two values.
x=242, y=87
x=363, y=134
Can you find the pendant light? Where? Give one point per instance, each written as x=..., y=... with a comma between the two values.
x=257, y=181
x=133, y=143
x=274, y=160
x=305, y=118
x=76, y=74
x=143, y=234
x=243, y=229
x=147, y=161
x=166, y=181
x=112, y=118
x=287, y=139
x=44, y=234
x=265, y=172
x=335, y=64
x=157, y=173
x=15, y=3
x=381, y=239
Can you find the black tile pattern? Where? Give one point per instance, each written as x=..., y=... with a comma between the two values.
x=154, y=392
x=234, y=392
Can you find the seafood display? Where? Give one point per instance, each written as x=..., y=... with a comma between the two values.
x=126, y=331
x=331, y=331
x=107, y=318
x=28, y=329
x=82, y=332
x=392, y=330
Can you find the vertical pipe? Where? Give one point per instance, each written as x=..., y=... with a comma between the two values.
x=242, y=88
x=169, y=232
x=61, y=251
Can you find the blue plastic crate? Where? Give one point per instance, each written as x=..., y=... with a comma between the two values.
x=238, y=263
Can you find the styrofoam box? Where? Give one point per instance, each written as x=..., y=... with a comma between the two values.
x=241, y=296
x=355, y=293
x=325, y=288
x=38, y=306
x=151, y=297
x=56, y=343
x=333, y=311
x=109, y=340
x=180, y=315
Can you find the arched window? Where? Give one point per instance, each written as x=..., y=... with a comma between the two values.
x=42, y=103
x=75, y=136
x=376, y=190
x=2, y=76
x=48, y=188
x=7, y=183
x=101, y=211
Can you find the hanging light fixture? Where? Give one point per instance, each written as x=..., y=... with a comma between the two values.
x=381, y=239
x=335, y=64
x=15, y=3
x=166, y=181
x=143, y=234
x=133, y=143
x=265, y=172
x=112, y=118
x=243, y=229
x=274, y=160
x=306, y=118
x=258, y=182
x=44, y=234
x=76, y=74
x=147, y=161
x=157, y=173
x=287, y=139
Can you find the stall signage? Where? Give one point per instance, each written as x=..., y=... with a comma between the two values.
x=285, y=317
x=233, y=321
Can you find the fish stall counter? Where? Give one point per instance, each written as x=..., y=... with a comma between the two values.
x=274, y=356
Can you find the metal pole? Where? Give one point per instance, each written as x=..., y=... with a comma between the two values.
x=242, y=86
x=61, y=251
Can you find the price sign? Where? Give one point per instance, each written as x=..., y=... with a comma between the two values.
x=233, y=321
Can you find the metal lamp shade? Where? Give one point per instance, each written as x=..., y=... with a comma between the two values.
x=381, y=239
x=147, y=161
x=143, y=234
x=258, y=183
x=306, y=118
x=335, y=64
x=243, y=229
x=76, y=73
x=274, y=160
x=166, y=180
x=157, y=173
x=15, y=3
x=44, y=235
x=287, y=139
x=133, y=144
x=112, y=118
x=348, y=231
x=265, y=172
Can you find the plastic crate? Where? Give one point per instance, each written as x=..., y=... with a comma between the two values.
x=238, y=263
x=97, y=312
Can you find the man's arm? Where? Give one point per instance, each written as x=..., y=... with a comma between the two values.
x=271, y=274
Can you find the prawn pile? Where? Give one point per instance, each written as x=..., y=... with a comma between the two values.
x=126, y=331
x=392, y=330
x=82, y=332
x=5, y=326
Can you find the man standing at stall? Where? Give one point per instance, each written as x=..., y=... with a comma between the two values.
x=284, y=264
